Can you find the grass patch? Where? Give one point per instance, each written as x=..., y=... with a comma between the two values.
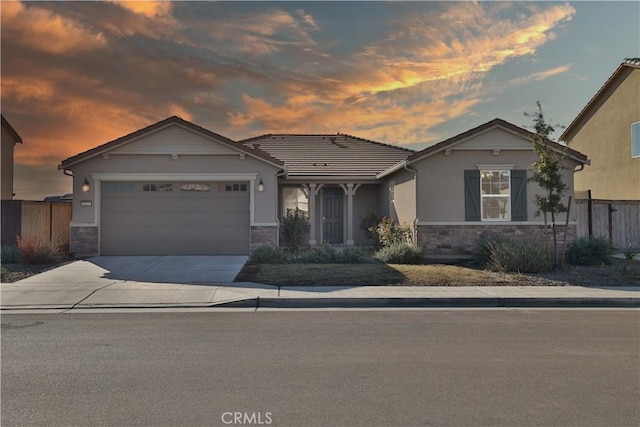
x=363, y=275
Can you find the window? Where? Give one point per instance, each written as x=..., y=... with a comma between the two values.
x=235, y=187
x=118, y=187
x=294, y=198
x=495, y=192
x=157, y=187
x=194, y=186
x=635, y=139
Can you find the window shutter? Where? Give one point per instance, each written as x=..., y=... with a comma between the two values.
x=472, y=195
x=518, y=195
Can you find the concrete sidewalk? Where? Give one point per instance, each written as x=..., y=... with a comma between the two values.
x=29, y=295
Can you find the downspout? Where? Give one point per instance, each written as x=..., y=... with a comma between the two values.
x=415, y=200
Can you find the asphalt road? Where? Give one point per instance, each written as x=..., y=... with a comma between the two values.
x=371, y=368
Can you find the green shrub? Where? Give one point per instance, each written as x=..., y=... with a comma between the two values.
x=390, y=232
x=513, y=255
x=268, y=255
x=295, y=228
x=589, y=251
x=400, y=253
x=352, y=255
x=3, y=273
x=630, y=252
x=484, y=247
x=369, y=224
x=9, y=254
x=321, y=254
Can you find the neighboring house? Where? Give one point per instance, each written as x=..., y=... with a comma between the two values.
x=608, y=131
x=177, y=188
x=9, y=138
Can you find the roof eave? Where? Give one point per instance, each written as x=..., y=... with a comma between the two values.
x=577, y=123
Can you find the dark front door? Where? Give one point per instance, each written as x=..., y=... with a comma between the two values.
x=332, y=219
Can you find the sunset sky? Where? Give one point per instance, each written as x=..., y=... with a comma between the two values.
x=78, y=74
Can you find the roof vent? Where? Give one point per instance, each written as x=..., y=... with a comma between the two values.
x=332, y=139
x=256, y=146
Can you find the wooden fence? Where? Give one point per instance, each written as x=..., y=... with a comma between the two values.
x=617, y=220
x=44, y=221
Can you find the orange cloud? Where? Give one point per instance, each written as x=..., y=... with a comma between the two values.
x=411, y=80
x=41, y=29
x=149, y=9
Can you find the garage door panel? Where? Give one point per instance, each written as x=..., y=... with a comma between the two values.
x=137, y=222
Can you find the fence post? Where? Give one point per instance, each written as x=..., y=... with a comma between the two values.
x=590, y=213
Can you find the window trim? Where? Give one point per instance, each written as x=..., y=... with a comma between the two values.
x=637, y=126
x=496, y=196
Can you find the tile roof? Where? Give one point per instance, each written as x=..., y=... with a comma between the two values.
x=623, y=70
x=5, y=124
x=327, y=155
x=260, y=154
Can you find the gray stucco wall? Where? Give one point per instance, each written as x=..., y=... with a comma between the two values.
x=441, y=181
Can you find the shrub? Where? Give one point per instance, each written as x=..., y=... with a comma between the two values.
x=351, y=255
x=268, y=255
x=589, y=251
x=630, y=252
x=484, y=247
x=33, y=251
x=3, y=273
x=369, y=224
x=514, y=255
x=295, y=228
x=400, y=253
x=9, y=254
x=390, y=232
x=321, y=254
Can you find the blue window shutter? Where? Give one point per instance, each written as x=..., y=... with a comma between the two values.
x=472, y=195
x=518, y=195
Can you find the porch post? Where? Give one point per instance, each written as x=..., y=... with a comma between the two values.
x=350, y=214
x=312, y=214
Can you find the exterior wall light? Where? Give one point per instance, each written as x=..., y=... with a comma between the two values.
x=261, y=186
x=85, y=186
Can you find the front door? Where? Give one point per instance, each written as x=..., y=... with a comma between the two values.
x=332, y=219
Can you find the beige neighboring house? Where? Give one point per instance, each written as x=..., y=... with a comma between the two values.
x=175, y=188
x=9, y=139
x=608, y=131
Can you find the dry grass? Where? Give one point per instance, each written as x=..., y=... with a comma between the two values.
x=364, y=275
x=619, y=273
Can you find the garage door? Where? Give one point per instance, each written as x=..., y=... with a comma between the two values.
x=174, y=218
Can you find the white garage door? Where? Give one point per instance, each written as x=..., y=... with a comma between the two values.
x=174, y=218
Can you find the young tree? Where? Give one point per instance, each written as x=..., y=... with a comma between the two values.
x=547, y=173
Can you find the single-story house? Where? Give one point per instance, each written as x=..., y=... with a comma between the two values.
x=177, y=188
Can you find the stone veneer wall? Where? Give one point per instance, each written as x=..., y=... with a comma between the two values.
x=83, y=241
x=261, y=235
x=461, y=239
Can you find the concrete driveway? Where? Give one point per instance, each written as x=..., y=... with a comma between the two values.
x=133, y=280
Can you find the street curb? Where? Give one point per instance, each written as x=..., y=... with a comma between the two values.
x=384, y=302
x=495, y=302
